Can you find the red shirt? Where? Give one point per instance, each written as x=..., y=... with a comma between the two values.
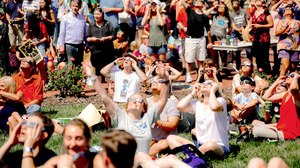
x=142, y=10
x=32, y=89
x=289, y=122
x=182, y=18
x=43, y=31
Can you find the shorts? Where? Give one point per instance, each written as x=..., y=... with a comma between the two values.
x=225, y=150
x=157, y=50
x=182, y=48
x=195, y=49
x=139, y=22
x=293, y=55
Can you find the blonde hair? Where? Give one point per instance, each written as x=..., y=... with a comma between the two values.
x=9, y=83
x=134, y=46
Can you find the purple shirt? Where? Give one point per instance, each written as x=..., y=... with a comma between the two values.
x=72, y=29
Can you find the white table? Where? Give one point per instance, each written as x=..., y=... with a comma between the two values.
x=242, y=45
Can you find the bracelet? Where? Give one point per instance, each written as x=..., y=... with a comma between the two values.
x=29, y=156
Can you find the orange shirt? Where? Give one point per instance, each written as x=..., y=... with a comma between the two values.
x=32, y=89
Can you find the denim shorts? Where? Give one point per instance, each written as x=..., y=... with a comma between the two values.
x=139, y=22
x=157, y=50
x=225, y=150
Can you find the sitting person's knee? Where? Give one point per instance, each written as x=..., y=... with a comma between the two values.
x=256, y=163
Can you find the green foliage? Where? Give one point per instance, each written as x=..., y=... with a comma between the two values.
x=2, y=71
x=69, y=81
x=264, y=76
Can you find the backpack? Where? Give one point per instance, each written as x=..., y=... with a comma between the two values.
x=190, y=155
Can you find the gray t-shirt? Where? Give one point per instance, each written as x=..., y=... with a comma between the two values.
x=169, y=110
x=239, y=18
x=219, y=26
x=140, y=129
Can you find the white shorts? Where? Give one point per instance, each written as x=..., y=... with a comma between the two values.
x=195, y=49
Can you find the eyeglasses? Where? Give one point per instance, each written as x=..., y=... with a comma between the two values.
x=206, y=83
x=159, y=81
x=291, y=75
x=248, y=65
x=245, y=82
x=138, y=100
x=28, y=61
x=283, y=84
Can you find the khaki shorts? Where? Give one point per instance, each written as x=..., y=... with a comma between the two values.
x=195, y=49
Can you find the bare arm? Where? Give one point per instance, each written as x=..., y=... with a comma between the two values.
x=184, y=104
x=139, y=72
x=127, y=7
x=294, y=88
x=13, y=96
x=169, y=125
x=175, y=74
x=163, y=97
x=147, y=16
x=108, y=102
x=275, y=7
x=214, y=104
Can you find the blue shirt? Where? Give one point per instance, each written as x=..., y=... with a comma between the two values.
x=12, y=9
x=72, y=29
x=112, y=16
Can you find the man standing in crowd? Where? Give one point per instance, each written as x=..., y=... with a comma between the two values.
x=111, y=9
x=239, y=22
x=72, y=34
x=195, y=43
x=15, y=23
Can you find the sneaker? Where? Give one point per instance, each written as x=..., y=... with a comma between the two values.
x=188, y=79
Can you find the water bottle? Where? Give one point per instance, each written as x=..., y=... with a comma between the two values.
x=235, y=41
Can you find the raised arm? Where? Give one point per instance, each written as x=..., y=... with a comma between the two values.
x=294, y=89
x=105, y=71
x=147, y=16
x=269, y=93
x=163, y=97
x=13, y=96
x=107, y=101
x=175, y=74
x=184, y=104
x=139, y=72
x=214, y=104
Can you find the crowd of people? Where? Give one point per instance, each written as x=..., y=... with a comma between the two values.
x=131, y=44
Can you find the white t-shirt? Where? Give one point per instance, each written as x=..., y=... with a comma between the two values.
x=211, y=126
x=126, y=85
x=140, y=129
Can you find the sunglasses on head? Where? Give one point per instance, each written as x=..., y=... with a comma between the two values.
x=206, y=83
x=245, y=82
x=159, y=81
x=132, y=99
x=28, y=61
x=248, y=65
x=291, y=75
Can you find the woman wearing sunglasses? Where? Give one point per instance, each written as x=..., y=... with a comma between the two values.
x=288, y=126
x=137, y=117
x=246, y=69
x=211, y=120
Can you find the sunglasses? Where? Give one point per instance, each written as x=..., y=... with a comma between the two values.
x=291, y=75
x=206, y=83
x=127, y=59
x=283, y=84
x=132, y=99
x=245, y=82
x=159, y=81
x=30, y=124
x=28, y=61
x=248, y=65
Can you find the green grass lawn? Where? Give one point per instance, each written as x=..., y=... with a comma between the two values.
x=239, y=157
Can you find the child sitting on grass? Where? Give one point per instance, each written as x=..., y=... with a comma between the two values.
x=244, y=105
